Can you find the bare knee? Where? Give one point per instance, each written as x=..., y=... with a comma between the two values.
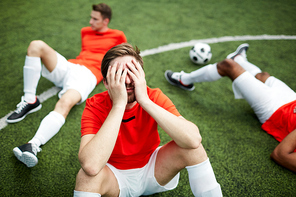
x=230, y=68
x=171, y=159
x=63, y=106
x=67, y=101
x=35, y=48
x=199, y=153
x=262, y=76
x=225, y=66
x=188, y=157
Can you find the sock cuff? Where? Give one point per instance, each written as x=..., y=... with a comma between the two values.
x=59, y=117
x=83, y=194
x=29, y=59
x=200, y=165
x=213, y=72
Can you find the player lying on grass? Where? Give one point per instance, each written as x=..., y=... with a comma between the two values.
x=77, y=78
x=273, y=101
x=119, y=151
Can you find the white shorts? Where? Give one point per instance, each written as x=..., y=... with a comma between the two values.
x=141, y=181
x=67, y=75
x=264, y=98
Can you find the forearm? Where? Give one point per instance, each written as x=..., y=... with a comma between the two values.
x=287, y=160
x=94, y=155
x=284, y=153
x=183, y=132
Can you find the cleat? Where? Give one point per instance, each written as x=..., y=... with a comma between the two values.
x=27, y=154
x=241, y=50
x=174, y=78
x=22, y=110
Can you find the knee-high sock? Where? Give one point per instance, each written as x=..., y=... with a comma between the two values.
x=203, y=181
x=49, y=126
x=204, y=74
x=248, y=66
x=85, y=194
x=32, y=73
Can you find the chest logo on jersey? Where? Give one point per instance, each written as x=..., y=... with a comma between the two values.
x=129, y=119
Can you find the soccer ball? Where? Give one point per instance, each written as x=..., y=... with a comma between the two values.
x=200, y=53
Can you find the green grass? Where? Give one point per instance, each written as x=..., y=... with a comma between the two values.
x=237, y=147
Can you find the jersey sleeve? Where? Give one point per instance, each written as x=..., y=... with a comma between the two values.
x=158, y=97
x=93, y=116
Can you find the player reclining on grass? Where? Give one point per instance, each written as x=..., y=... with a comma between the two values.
x=77, y=78
x=273, y=101
x=119, y=150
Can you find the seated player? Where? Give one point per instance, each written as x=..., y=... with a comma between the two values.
x=77, y=78
x=119, y=150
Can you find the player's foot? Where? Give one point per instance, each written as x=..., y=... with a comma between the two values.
x=241, y=50
x=27, y=154
x=174, y=78
x=23, y=109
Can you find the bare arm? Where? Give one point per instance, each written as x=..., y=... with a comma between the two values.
x=284, y=153
x=183, y=132
x=95, y=150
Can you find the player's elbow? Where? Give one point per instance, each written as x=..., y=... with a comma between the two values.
x=89, y=166
x=274, y=155
x=195, y=140
x=278, y=154
x=284, y=159
x=89, y=169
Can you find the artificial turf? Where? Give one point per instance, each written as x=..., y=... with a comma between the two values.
x=237, y=146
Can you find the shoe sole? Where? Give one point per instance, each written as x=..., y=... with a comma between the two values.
x=29, y=159
x=174, y=84
x=238, y=51
x=21, y=118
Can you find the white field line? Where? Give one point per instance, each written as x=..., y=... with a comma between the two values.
x=173, y=46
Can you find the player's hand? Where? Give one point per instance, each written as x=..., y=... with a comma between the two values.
x=136, y=72
x=116, y=84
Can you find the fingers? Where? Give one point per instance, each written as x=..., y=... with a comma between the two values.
x=111, y=72
x=135, y=69
x=116, y=73
x=123, y=76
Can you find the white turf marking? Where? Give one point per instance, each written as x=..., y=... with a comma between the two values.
x=173, y=46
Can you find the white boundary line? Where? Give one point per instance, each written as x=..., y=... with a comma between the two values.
x=173, y=46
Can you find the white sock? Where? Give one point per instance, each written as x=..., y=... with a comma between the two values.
x=203, y=181
x=204, y=74
x=49, y=126
x=85, y=194
x=251, y=68
x=35, y=141
x=32, y=73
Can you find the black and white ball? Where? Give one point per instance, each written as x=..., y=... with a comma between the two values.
x=200, y=53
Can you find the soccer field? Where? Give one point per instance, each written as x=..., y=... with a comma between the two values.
x=164, y=30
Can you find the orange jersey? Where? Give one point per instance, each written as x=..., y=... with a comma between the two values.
x=282, y=122
x=138, y=135
x=94, y=45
